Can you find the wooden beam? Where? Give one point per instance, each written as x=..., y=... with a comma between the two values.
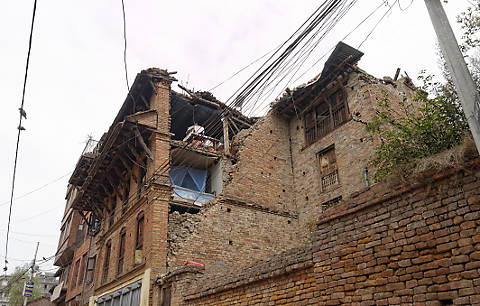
x=226, y=140
x=114, y=187
x=118, y=172
x=121, y=192
x=133, y=151
x=145, y=102
x=124, y=162
x=107, y=191
x=129, y=167
x=142, y=143
x=195, y=96
x=233, y=124
x=241, y=121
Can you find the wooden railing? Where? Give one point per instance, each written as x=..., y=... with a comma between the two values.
x=330, y=179
x=326, y=124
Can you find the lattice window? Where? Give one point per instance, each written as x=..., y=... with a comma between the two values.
x=121, y=252
x=328, y=167
x=331, y=203
x=90, y=269
x=325, y=117
x=106, y=262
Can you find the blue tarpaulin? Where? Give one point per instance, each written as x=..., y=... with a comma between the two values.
x=190, y=178
x=189, y=183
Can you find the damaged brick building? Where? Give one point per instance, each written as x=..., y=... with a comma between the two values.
x=185, y=178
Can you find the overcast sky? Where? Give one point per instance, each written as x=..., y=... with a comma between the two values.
x=76, y=80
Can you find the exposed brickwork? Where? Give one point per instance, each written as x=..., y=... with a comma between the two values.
x=295, y=288
x=150, y=201
x=270, y=191
x=229, y=233
x=408, y=245
x=352, y=148
x=42, y=301
x=263, y=173
x=179, y=281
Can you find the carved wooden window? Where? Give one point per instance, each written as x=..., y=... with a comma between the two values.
x=106, y=261
x=325, y=117
x=328, y=167
x=139, y=236
x=111, y=218
x=331, y=203
x=167, y=296
x=121, y=252
x=75, y=273
x=143, y=178
x=126, y=197
x=90, y=269
x=82, y=270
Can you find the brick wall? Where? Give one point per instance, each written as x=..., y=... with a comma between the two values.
x=151, y=203
x=42, y=301
x=416, y=244
x=75, y=288
x=275, y=169
x=352, y=149
x=263, y=171
x=228, y=233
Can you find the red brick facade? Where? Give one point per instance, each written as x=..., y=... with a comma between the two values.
x=266, y=190
x=417, y=244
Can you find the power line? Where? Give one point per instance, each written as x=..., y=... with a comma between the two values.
x=38, y=188
x=260, y=109
x=242, y=69
x=378, y=22
x=125, y=45
x=20, y=129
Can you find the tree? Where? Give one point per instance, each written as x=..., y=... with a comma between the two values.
x=16, y=283
x=437, y=123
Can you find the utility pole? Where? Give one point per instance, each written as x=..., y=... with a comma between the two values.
x=466, y=89
x=31, y=275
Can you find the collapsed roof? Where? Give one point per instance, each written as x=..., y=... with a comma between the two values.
x=342, y=57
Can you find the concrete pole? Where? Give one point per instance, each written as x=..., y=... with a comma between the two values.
x=466, y=89
x=31, y=275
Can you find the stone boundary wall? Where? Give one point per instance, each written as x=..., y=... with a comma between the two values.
x=417, y=244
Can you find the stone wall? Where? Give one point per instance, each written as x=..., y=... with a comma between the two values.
x=416, y=244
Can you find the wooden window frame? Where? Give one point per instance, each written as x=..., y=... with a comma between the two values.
x=126, y=192
x=83, y=269
x=142, y=171
x=121, y=251
x=76, y=269
x=140, y=233
x=111, y=217
x=338, y=114
x=90, y=269
x=106, y=261
x=331, y=177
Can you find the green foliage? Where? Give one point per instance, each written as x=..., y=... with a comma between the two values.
x=409, y=131
x=424, y=126
x=470, y=24
x=16, y=283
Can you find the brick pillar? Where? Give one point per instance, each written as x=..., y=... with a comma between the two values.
x=159, y=191
x=160, y=102
x=156, y=228
x=160, y=141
